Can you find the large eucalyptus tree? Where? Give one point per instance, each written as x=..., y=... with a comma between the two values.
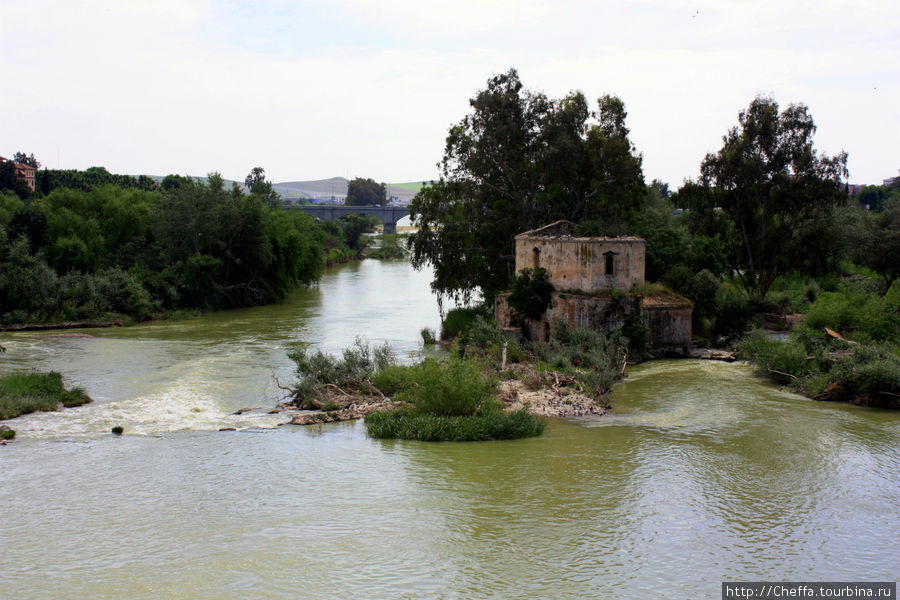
x=520, y=160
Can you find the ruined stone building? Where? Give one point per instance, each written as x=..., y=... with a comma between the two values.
x=598, y=283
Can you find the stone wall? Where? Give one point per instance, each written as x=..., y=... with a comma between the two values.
x=588, y=265
x=595, y=281
x=601, y=312
x=669, y=327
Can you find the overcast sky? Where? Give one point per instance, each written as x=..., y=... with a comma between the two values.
x=368, y=88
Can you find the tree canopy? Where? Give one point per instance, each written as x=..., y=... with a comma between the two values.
x=365, y=192
x=26, y=159
x=520, y=160
x=777, y=195
x=259, y=186
x=876, y=241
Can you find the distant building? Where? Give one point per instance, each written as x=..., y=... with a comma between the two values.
x=23, y=171
x=598, y=283
x=892, y=180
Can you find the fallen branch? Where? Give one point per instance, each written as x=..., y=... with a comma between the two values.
x=794, y=377
x=331, y=385
x=283, y=387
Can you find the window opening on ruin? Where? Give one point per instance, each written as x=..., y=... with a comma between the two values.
x=536, y=257
x=610, y=262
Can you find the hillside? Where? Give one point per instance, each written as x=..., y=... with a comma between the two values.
x=336, y=187
x=324, y=190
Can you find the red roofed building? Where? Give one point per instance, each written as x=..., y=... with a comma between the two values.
x=26, y=172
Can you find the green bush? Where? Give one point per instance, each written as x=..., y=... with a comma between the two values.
x=491, y=424
x=638, y=335
x=393, y=245
x=393, y=379
x=428, y=338
x=458, y=320
x=357, y=362
x=593, y=358
x=446, y=401
x=853, y=312
x=780, y=360
x=733, y=312
x=868, y=369
x=455, y=388
x=531, y=293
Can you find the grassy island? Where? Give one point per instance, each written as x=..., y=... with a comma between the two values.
x=23, y=393
x=487, y=388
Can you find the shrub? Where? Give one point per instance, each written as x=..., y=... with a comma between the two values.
x=733, y=312
x=456, y=388
x=638, y=335
x=531, y=293
x=868, y=369
x=459, y=319
x=853, y=312
x=393, y=245
x=491, y=424
x=393, y=379
x=484, y=338
x=592, y=357
x=428, y=338
x=784, y=362
x=358, y=362
x=7, y=434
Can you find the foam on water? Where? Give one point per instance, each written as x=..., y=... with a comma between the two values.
x=191, y=400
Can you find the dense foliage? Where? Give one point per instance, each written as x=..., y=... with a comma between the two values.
x=771, y=197
x=828, y=369
x=83, y=254
x=365, y=192
x=530, y=293
x=452, y=400
x=518, y=161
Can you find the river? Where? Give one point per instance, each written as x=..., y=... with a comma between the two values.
x=704, y=474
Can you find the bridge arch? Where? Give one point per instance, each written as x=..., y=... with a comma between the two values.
x=389, y=215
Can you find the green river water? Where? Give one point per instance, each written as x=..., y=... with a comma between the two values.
x=704, y=474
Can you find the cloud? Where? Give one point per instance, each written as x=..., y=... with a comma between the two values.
x=369, y=88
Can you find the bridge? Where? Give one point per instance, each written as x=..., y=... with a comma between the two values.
x=389, y=215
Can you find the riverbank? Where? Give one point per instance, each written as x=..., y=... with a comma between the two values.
x=828, y=368
x=63, y=325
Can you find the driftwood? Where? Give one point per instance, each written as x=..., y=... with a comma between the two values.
x=351, y=412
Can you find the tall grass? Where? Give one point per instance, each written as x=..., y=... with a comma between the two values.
x=447, y=401
x=492, y=424
x=23, y=393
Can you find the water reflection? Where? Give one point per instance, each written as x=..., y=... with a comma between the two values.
x=704, y=473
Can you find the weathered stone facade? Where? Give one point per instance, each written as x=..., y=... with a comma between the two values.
x=602, y=312
x=668, y=323
x=598, y=283
x=587, y=265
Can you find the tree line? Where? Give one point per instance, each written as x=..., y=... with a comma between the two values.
x=768, y=211
x=100, y=244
